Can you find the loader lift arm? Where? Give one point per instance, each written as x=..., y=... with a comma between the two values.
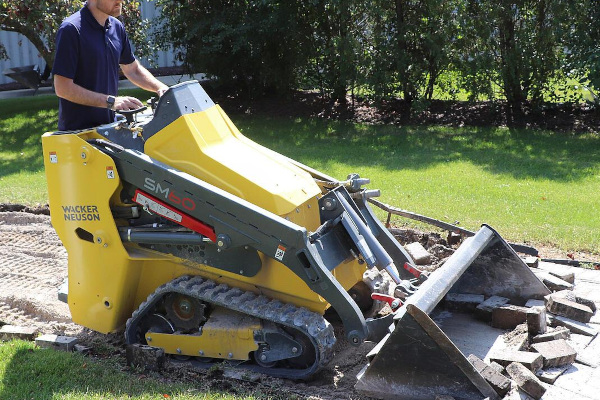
x=238, y=223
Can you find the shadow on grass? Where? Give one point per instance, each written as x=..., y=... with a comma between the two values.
x=520, y=153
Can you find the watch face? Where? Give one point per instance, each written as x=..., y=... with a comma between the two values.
x=110, y=101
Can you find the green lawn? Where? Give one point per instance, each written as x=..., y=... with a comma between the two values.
x=27, y=372
x=532, y=186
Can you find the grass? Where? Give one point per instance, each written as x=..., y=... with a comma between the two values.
x=28, y=372
x=532, y=186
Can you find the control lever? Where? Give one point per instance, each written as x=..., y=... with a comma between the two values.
x=129, y=114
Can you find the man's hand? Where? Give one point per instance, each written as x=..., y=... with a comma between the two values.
x=127, y=103
x=162, y=90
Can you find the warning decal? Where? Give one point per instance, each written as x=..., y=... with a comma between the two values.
x=280, y=252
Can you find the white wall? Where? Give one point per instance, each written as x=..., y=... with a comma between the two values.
x=22, y=52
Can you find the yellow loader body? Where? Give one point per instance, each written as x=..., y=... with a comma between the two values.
x=108, y=280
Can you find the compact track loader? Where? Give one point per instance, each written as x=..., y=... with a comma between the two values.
x=194, y=239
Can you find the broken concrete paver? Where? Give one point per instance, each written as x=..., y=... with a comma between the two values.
x=10, y=332
x=508, y=316
x=558, y=333
x=564, y=272
x=551, y=374
x=497, y=381
x=63, y=343
x=484, y=310
x=551, y=281
x=573, y=326
x=526, y=380
x=567, y=308
x=555, y=353
x=532, y=361
x=463, y=302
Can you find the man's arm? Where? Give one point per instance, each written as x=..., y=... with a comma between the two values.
x=67, y=89
x=142, y=78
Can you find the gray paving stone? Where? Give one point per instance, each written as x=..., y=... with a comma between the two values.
x=508, y=316
x=63, y=343
x=568, y=308
x=418, y=253
x=532, y=361
x=573, y=326
x=555, y=353
x=564, y=272
x=462, y=302
x=536, y=320
x=10, y=332
x=484, y=310
x=497, y=381
x=526, y=380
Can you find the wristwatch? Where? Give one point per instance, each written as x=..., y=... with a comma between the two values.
x=110, y=102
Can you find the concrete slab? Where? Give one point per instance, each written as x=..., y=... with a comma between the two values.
x=590, y=354
x=557, y=393
x=581, y=381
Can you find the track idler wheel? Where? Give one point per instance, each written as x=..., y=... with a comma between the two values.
x=185, y=312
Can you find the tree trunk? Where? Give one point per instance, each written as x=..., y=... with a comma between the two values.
x=510, y=63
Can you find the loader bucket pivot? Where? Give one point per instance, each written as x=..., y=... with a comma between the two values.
x=417, y=360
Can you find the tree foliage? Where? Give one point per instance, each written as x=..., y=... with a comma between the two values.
x=412, y=42
x=582, y=41
x=515, y=44
x=39, y=20
x=513, y=49
x=248, y=44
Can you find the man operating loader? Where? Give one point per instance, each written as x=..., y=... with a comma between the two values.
x=91, y=44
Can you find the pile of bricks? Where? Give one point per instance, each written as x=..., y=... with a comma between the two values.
x=539, y=350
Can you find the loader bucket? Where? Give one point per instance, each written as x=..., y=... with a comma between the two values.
x=417, y=360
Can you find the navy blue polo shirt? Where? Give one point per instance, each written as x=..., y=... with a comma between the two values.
x=90, y=54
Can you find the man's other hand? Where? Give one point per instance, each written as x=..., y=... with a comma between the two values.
x=127, y=103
